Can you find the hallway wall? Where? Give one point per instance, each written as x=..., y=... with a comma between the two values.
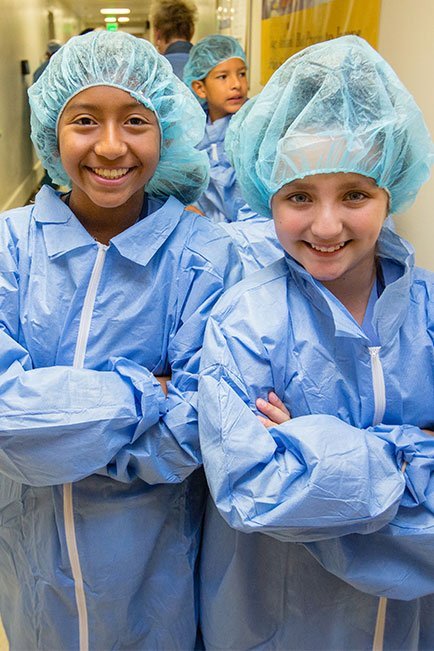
x=24, y=35
x=406, y=41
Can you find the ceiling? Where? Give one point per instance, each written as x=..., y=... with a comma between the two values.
x=89, y=11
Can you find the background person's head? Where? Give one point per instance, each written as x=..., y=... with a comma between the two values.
x=52, y=46
x=216, y=72
x=172, y=20
x=333, y=107
x=121, y=61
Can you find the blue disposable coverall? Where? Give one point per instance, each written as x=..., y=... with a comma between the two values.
x=222, y=199
x=346, y=519
x=84, y=330
x=255, y=238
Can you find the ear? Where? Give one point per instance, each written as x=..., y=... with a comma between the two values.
x=199, y=88
x=157, y=40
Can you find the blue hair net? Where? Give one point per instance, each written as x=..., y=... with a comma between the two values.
x=118, y=59
x=207, y=54
x=333, y=107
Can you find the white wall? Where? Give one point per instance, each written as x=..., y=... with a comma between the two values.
x=206, y=23
x=406, y=41
x=24, y=35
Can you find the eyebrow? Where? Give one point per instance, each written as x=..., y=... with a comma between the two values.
x=83, y=106
x=219, y=72
x=306, y=185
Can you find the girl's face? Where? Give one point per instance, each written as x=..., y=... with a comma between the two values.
x=109, y=146
x=330, y=224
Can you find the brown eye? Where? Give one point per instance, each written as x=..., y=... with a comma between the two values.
x=136, y=121
x=84, y=121
x=355, y=196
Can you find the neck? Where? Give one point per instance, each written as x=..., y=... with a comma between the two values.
x=213, y=117
x=166, y=44
x=104, y=223
x=353, y=290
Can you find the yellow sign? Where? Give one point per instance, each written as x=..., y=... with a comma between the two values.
x=291, y=25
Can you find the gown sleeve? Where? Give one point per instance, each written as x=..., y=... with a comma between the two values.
x=316, y=479
x=169, y=449
x=60, y=424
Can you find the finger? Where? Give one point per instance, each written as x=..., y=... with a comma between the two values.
x=277, y=402
x=265, y=421
x=273, y=413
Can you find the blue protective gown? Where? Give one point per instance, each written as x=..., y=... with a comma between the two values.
x=344, y=523
x=84, y=330
x=255, y=238
x=222, y=199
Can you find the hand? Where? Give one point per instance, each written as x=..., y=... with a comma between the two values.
x=163, y=380
x=274, y=410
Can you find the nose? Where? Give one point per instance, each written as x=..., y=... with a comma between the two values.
x=110, y=144
x=235, y=82
x=327, y=224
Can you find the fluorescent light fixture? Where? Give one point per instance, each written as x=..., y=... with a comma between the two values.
x=110, y=19
x=123, y=19
x=110, y=11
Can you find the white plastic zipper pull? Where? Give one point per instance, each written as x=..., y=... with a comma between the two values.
x=88, y=305
x=379, y=389
x=214, y=152
x=378, y=385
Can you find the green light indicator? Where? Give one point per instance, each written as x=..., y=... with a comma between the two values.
x=111, y=27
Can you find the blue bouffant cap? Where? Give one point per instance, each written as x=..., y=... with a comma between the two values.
x=336, y=106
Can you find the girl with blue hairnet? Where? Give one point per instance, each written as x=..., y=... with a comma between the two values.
x=104, y=292
x=316, y=393
x=216, y=73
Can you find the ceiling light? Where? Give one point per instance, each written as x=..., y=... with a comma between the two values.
x=112, y=11
x=123, y=19
x=110, y=19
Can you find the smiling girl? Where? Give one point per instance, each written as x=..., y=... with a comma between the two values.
x=104, y=293
x=316, y=393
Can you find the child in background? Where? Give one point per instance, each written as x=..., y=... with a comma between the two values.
x=104, y=293
x=316, y=393
x=216, y=72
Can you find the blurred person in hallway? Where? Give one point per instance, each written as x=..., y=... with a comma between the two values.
x=173, y=23
x=52, y=47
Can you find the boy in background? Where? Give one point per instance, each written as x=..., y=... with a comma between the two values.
x=216, y=72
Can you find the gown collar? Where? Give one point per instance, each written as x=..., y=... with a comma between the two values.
x=63, y=232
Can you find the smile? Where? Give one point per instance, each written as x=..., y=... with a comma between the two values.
x=106, y=173
x=327, y=249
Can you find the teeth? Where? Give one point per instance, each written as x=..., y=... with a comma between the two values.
x=327, y=249
x=110, y=174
